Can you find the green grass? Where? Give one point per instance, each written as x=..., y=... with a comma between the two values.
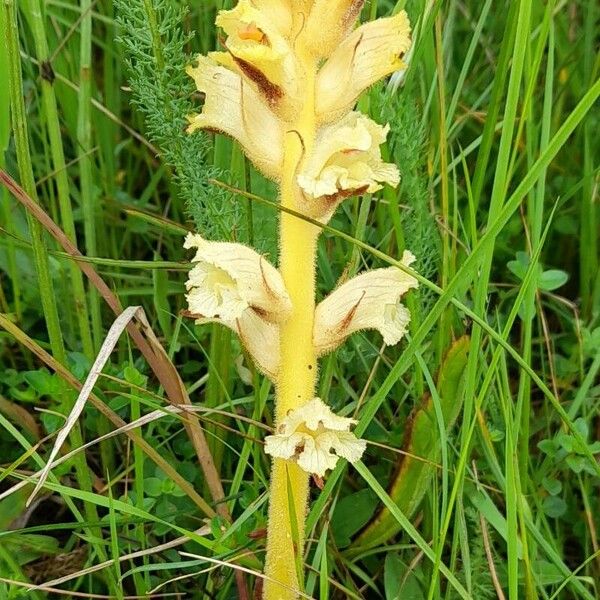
x=494, y=129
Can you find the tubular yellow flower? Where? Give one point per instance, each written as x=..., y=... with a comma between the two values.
x=368, y=301
x=371, y=52
x=259, y=49
x=234, y=285
x=235, y=108
x=346, y=161
x=228, y=278
x=315, y=438
x=330, y=21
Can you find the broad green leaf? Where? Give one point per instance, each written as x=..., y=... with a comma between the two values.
x=552, y=279
x=27, y=547
x=351, y=514
x=400, y=584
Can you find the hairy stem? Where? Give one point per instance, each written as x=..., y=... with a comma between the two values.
x=297, y=375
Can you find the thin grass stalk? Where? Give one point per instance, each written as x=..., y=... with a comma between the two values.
x=589, y=271
x=19, y=124
x=443, y=334
x=84, y=146
x=535, y=220
x=5, y=134
x=34, y=10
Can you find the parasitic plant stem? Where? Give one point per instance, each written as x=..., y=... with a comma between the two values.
x=298, y=367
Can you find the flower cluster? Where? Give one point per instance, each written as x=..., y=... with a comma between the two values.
x=279, y=57
x=253, y=91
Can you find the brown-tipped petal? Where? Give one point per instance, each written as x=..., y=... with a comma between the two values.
x=369, y=54
x=234, y=107
x=368, y=301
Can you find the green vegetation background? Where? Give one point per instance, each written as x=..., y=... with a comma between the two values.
x=495, y=129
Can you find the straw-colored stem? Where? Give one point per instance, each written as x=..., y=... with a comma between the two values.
x=296, y=380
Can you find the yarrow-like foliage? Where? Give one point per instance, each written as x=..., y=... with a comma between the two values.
x=153, y=43
x=255, y=91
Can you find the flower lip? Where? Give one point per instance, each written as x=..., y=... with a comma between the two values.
x=346, y=161
x=229, y=278
x=371, y=300
x=315, y=438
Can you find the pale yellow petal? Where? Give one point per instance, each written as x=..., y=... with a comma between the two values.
x=234, y=107
x=280, y=12
x=283, y=446
x=330, y=21
x=347, y=445
x=346, y=160
x=315, y=414
x=369, y=54
x=368, y=301
x=228, y=278
x=317, y=457
x=259, y=337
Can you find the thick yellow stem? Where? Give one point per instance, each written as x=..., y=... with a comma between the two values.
x=298, y=367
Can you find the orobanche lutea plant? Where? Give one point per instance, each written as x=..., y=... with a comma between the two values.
x=285, y=88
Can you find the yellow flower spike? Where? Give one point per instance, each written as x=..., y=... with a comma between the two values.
x=234, y=285
x=315, y=438
x=258, y=47
x=370, y=53
x=368, y=301
x=284, y=88
x=233, y=107
x=330, y=22
x=346, y=161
